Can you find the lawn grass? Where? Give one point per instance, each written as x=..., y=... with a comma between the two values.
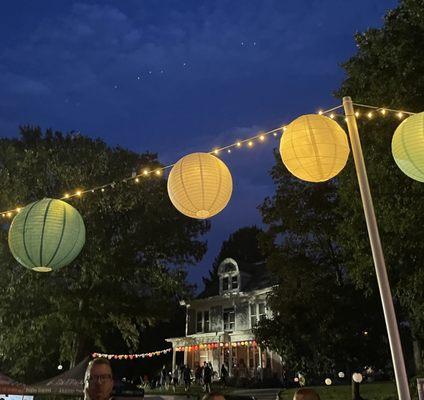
x=368, y=391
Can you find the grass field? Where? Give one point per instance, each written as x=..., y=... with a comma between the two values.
x=368, y=391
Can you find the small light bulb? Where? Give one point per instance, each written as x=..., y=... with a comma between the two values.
x=383, y=111
x=400, y=115
x=137, y=180
x=157, y=172
x=3, y=215
x=275, y=133
x=78, y=193
x=262, y=138
x=216, y=151
x=66, y=196
x=18, y=209
x=229, y=151
x=345, y=119
x=357, y=114
x=145, y=172
x=250, y=143
x=284, y=128
x=9, y=214
x=92, y=190
x=332, y=116
x=320, y=112
x=238, y=144
x=103, y=189
x=369, y=115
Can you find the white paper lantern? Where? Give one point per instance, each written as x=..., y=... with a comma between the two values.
x=200, y=185
x=314, y=148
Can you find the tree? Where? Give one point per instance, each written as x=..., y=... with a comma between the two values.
x=319, y=321
x=387, y=70
x=243, y=246
x=128, y=273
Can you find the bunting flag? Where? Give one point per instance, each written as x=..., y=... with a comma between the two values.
x=131, y=356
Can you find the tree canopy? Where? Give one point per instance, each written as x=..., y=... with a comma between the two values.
x=320, y=322
x=128, y=272
x=388, y=71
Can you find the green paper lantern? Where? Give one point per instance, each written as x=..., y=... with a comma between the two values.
x=46, y=235
x=408, y=146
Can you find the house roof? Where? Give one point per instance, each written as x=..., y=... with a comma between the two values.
x=254, y=276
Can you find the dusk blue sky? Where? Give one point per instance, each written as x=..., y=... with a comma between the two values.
x=174, y=77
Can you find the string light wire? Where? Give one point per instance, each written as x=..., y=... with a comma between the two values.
x=260, y=137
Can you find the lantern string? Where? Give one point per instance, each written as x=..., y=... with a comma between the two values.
x=383, y=109
x=238, y=144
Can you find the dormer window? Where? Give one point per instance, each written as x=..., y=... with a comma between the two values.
x=229, y=276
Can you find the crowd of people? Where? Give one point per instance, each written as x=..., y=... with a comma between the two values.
x=98, y=381
x=182, y=375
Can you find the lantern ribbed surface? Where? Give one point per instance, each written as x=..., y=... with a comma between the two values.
x=314, y=148
x=408, y=146
x=46, y=235
x=200, y=185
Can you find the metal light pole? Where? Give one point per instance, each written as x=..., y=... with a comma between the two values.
x=377, y=253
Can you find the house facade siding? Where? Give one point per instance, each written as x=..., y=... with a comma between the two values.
x=219, y=327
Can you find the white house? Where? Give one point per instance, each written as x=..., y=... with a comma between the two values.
x=219, y=323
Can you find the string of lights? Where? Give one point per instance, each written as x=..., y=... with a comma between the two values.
x=248, y=142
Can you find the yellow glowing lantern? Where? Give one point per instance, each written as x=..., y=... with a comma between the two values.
x=200, y=185
x=314, y=148
x=408, y=146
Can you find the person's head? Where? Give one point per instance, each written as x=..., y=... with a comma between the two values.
x=98, y=380
x=213, y=396
x=306, y=394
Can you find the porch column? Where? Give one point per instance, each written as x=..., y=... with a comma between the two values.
x=261, y=371
x=174, y=358
x=230, y=360
x=185, y=356
x=271, y=356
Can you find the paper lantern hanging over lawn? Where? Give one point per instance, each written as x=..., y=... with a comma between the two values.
x=200, y=185
x=46, y=235
x=408, y=146
x=314, y=148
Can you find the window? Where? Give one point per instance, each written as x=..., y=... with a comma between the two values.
x=206, y=321
x=261, y=311
x=229, y=319
x=253, y=315
x=225, y=283
x=234, y=282
x=257, y=312
x=199, y=321
x=202, y=321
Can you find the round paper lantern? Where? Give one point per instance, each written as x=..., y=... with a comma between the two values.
x=46, y=235
x=314, y=148
x=200, y=185
x=408, y=146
